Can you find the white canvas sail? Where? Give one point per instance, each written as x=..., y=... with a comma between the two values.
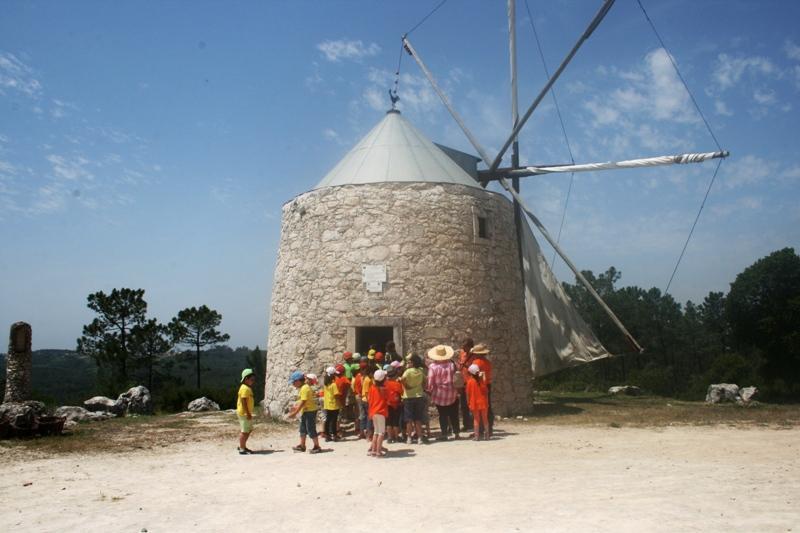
x=559, y=338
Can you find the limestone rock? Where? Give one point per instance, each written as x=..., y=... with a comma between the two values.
x=202, y=404
x=22, y=414
x=723, y=392
x=629, y=390
x=137, y=400
x=103, y=404
x=75, y=414
x=748, y=394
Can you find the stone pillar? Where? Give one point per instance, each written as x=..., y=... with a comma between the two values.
x=18, y=363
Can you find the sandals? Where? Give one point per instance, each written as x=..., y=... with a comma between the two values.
x=244, y=451
x=299, y=448
x=315, y=449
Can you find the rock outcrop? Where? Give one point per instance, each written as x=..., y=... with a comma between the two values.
x=22, y=414
x=629, y=390
x=729, y=392
x=74, y=414
x=102, y=404
x=138, y=400
x=202, y=404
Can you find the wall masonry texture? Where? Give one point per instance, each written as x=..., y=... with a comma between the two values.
x=443, y=282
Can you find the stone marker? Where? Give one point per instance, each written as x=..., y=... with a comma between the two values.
x=18, y=363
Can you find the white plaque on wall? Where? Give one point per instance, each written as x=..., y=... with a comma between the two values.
x=373, y=273
x=374, y=286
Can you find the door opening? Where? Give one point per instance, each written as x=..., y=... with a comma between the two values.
x=373, y=336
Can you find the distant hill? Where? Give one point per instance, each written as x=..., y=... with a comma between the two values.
x=64, y=377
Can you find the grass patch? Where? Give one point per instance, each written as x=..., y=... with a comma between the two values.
x=131, y=433
x=598, y=409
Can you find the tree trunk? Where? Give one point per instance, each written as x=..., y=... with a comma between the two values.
x=198, y=366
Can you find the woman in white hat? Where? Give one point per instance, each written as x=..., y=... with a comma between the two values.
x=443, y=392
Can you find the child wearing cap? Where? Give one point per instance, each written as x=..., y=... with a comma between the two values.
x=306, y=407
x=244, y=409
x=378, y=411
x=331, y=399
x=478, y=400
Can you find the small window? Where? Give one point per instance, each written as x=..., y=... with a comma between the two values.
x=483, y=232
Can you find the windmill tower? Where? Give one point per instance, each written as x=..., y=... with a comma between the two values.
x=401, y=241
x=398, y=242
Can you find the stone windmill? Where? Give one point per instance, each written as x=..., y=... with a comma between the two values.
x=401, y=241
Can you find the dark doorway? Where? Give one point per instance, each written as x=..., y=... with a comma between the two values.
x=367, y=336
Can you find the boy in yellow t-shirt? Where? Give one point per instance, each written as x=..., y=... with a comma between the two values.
x=244, y=410
x=307, y=407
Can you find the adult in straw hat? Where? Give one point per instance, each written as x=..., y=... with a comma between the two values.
x=443, y=391
x=481, y=351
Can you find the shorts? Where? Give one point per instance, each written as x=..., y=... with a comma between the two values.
x=308, y=424
x=393, y=420
x=244, y=424
x=379, y=421
x=414, y=409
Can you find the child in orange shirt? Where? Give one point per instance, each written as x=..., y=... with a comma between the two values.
x=478, y=400
x=343, y=384
x=394, y=391
x=378, y=411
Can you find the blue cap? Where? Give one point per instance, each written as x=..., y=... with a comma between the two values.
x=296, y=376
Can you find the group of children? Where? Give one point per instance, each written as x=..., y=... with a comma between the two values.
x=383, y=393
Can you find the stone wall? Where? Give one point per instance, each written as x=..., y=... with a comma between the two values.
x=443, y=281
x=18, y=363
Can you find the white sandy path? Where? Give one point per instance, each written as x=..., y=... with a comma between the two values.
x=533, y=479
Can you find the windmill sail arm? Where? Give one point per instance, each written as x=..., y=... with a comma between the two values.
x=679, y=159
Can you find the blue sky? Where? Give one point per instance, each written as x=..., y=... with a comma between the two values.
x=151, y=145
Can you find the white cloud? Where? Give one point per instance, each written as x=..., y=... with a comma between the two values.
x=375, y=98
x=416, y=94
x=652, y=90
x=17, y=76
x=730, y=70
x=721, y=109
x=752, y=203
x=748, y=170
x=791, y=173
x=792, y=50
x=765, y=97
x=332, y=135
x=70, y=168
x=344, y=49
x=603, y=114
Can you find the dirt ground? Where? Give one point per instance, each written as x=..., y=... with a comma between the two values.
x=185, y=475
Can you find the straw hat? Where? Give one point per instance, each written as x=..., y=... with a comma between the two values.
x=440, y=353
x=480, y=349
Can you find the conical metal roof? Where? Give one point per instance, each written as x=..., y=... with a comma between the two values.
x=395, y=151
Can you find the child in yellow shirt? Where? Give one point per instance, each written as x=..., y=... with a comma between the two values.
x=306, y=407
x=244, y=410
x=331, y=402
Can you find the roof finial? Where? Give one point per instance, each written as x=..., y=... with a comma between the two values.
x=393, y=96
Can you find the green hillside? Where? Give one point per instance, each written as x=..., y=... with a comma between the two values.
x=63, y=377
